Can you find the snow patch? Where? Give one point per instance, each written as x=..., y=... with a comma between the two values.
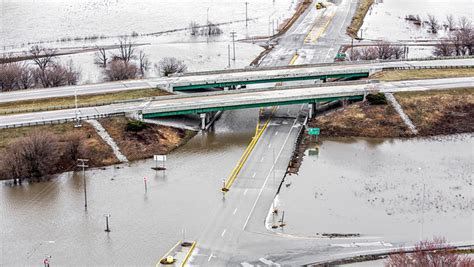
x=393, y=101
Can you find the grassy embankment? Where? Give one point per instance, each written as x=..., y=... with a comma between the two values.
x=433, y=113
x=398, y=75
x=358, y=18
x=24, y=106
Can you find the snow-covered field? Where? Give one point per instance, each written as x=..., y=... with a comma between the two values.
x=27, y=22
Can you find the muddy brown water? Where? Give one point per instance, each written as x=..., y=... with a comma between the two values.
x=48, y=219
x=393, y=190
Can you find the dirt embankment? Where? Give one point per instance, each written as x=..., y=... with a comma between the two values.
x=152, y=140
x=433, y=113
x=358, y=18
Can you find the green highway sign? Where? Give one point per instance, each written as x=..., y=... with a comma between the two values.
x=314, y=131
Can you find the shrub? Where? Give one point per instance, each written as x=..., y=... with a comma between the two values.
x=136, y=126
x=376, y=99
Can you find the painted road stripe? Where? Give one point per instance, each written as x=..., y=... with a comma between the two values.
x=245, y=192
x=254, y=174
x=223, y=233
x=235, y=211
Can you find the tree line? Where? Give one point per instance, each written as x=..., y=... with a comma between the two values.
x=43, y=70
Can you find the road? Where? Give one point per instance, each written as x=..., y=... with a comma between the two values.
x=305, y=54
x=191, y=103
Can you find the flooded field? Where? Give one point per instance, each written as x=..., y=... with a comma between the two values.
x=48, y=219
x=50, y=23
x=386, y=19
x=397, y=190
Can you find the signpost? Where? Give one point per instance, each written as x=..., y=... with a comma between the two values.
x=158, y=158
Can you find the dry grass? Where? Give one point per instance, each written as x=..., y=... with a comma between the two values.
x=440, y=112
x=82, y=100
x=398, y=75
x=99, y=153
x=362, y=120
x=358, y=19
x=153, y=140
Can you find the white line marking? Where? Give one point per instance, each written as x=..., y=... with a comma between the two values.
x=254, y=174
x=245, y=192
x=261, y=160
x=268, y=175
x=276, y=133
x=269, y=145
x=223, y=232
x=210, y=257
x=235, y=211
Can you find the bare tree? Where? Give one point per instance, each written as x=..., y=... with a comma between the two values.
x=57, y=75
x=100, y=57
x=368, y=53
x=143, y=62
x=26, y=79
x=72, y=145
x=9, y=74
x=35, y=155
x=120, y=70
x=450, y=22
x=170, y=65
x=126, y=51
x=42, y=56
x=464, y=23
x=433, y=23
x=384, y=50
x=429, y=254
x=194, y=28
x=211, y=29
x=443, y=48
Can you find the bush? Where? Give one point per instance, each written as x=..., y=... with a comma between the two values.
x=136, y=126
x=376, y=99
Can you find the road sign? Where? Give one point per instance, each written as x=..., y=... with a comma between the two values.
x=314, y=131
x=159, y=157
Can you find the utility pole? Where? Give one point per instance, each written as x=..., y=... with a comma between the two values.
x=83, y=164
x=107, y=229
x=228, y=56
x=246, y=14
x=233, y=42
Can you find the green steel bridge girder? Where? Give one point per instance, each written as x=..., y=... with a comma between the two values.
x=273, y=80
x=258, y=105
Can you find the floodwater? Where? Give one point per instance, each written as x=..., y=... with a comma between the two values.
x=48, y=21
x=48, y=219
x=386, y=19
x=398, y=191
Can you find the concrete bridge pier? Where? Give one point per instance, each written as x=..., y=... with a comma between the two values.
x=312, y=109
x=208, y=119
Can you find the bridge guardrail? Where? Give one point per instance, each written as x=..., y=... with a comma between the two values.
x=59, y=121
x=198, y=73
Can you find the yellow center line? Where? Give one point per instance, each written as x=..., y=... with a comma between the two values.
x=188, y=254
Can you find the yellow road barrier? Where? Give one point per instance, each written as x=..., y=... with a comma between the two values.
x=188, y=254
x=294, y=58
x=230, y=180
x=167, y=253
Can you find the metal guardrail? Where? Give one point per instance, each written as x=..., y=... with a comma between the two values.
x=59, y=121
x=429, y=67
x=341, y=63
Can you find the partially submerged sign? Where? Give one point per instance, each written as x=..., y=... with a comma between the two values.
x=159, y=157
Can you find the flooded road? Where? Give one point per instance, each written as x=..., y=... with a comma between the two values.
x=397, y=190
x=49, y=218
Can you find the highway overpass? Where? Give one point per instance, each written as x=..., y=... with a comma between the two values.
x=235, y=77
x=239, y=99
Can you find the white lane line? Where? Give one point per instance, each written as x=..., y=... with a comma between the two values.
x=254, y=174
x=245, y=192
x=223, y=233
x=269, y=145
x=268, y=175
x=210, y=257
x=235, y=211
x=276, y=133
x=261, y=160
